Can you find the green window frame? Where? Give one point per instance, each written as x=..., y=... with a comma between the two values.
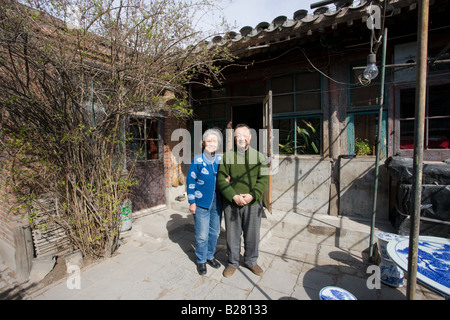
x=297, y=93
x=357, y=141
x=300, y=135
x=297, y=112
x=362, y=113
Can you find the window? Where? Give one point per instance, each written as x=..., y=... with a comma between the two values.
x=297, y=109
x=243, y=90
x=437, y=116
x=299, y=135
x=362, y=130
x=362, y=133
x=210, y=104
x=144, y=140
x=363, y=95
x=296, y=93
x=362, y=116
x=210, y=107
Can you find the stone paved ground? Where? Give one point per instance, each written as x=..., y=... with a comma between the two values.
x=157, y=262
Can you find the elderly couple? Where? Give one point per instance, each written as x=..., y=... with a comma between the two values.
x=236, y=181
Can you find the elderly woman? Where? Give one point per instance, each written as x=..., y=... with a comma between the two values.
x=205, y=200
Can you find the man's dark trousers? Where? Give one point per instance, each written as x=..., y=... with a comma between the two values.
x=245, y=220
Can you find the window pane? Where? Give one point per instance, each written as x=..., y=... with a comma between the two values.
x=365, y=131
x=217, y=111
x=439, y=101
x=308, y=135
x=407, y=134
x=145, y=139
x=439, y=133
x=152, y=139
x=137, y=150
x=308, y=101
x=257, y=89
x=407, y=103
x=283, y=104
x=365, y=96
x=201, y=95
x=152, y=150
x=152, y=129
x=286, y=135
x=307, y=81
x=136, y=129
x=201, y=111
x=239, y=90
x=218, y=93
x=282, y=84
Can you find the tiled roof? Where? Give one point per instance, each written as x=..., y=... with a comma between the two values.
x=304, y=24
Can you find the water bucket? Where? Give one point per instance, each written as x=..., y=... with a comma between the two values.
x=125, y=216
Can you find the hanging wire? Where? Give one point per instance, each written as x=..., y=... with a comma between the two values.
x=322, y=73
x=380, y=38
x=372, y=38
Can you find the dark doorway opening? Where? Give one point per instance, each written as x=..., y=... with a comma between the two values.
x=251, y=115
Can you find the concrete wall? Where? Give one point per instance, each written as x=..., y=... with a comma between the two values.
x=305, y=185
x=356, y=183
x=302, y=185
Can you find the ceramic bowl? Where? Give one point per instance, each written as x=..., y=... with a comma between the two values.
x=335, y=293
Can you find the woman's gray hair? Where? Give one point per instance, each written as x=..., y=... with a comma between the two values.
x=215, y=132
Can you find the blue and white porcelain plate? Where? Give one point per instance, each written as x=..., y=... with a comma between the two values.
x=386, y=236
x=433, y=262
x=335, y=293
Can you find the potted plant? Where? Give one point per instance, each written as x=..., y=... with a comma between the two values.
x=363, y=147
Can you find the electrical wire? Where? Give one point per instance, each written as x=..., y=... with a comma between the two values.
x=322, y=73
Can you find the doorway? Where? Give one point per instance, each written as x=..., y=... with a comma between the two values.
x=145, y=148
x=251, y=115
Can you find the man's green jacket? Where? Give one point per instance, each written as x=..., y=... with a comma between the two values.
x=248, y=174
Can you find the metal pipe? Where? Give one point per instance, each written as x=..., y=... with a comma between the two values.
x=409, y=65
x=378, y=144
x=421, y=88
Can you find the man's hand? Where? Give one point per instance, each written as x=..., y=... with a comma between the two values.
x=192, y=208
x=239, y=200
x=247, y=198
x=243, y=199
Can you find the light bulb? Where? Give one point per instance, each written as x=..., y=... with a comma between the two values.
x=371, y=71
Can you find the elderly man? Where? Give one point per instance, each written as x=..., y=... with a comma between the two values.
x=242, y=185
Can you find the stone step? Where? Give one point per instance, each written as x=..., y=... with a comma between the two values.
x=340, y=232
x=319, y=229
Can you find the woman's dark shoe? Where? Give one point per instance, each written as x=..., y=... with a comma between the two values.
x=214, y=263
x=201, y=269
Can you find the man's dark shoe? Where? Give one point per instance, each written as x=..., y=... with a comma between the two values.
x=214, y=263
x=201, y=269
